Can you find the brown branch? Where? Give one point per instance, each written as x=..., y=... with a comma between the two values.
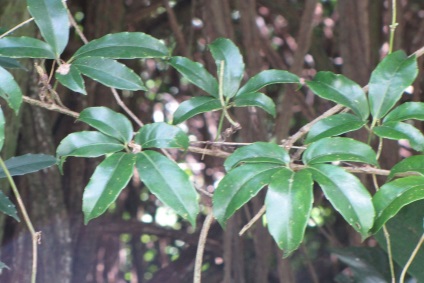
x=52, y=107
x=201, y=248
x=182, y=45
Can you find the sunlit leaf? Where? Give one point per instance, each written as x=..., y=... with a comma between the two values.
x=256, y=99
x=161, y=135
x=400, y=130
x=194, y=106
x=72, y=80
x=10, y=90
x=25, y=47
x=406, y=111
x=27, y=163
x=7, y=207
x=412, y=164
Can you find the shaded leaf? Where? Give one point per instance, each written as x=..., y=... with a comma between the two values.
x=400, y=130
x=389, y=80
x=256, y=99
x=412, y=164
x=124, y=45
x=161, y=135
x=258, y=152
x=108, y=180
x=108, y=122
x=288, y=207
x=339, y=149
x=109, y=72
x=7, y=207
x=168, y=183
x=224, y=50
x=406, y=111
x=194, y=106
x=239, y=186
x=10, y=90
x=25, y=47
x=196, y=74
x=341, y=90
x=28, y=163
x=347, y=195
x=11, y=63
x=2, y=124
x=52, y=19
x=72, y=80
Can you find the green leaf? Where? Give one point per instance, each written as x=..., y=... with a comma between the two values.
x=124, y=45
x=333, y=126
x=256, y=99
x=2, y=124
x=7, y=207
x=224, y=50
x=108, y=180
x=168, y=183
x=389, y=80
x=239, y=186
x=10, y=90
x=341, y=90
x=412, y=164
x=196, y=74
x=52, y=19
x=25, y=47
x=400, y=130
x=288, y=207
x=11, y=63
x=391, y=197
x=406, y=111
x=339, y=149
x=161, y=135
x=258, y=152
x=72, y=80
x=265, y=78
x=109, y=72
x=108, y=122
x=347, y=195
x=194, y=106
x=28, y=163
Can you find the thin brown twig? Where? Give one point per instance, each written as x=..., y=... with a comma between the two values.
x=16, y=27
x=201, y=247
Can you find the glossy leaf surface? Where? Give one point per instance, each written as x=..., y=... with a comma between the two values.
x=333, y=126
x=11, y=63
x=195, y=106
x=265, y=78
x=52, y=19
x=2, y=130
x=400, y=130
x=161, y=135
x=339, y=149
x=389, y=80
x=347, y=195
x=124, y=45
x=25, y=47
x=72, y=80
x=394, y=195
x=256, y=99
x=412, y=164
x=341, y=90
x=169, y=183
x=196, y=74
x=109, y=72
x=288, y=207
x=239, y=186
x=108, y=180
x=28, y=163
x=7, y=207
x=258, y=152
x=10, y=90
x=224, y=50
x=108, y=122
x=406, y=111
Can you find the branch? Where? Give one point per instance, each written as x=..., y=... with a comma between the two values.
x=52, y=107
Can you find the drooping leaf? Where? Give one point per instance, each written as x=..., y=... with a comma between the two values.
x=406, y=111
x=412, y=164
x=265, y=78
x=196, y=74
x=72, y=80
x=108, y=180
x=239, y=186
x=10, y=90
x=224, y=50
x=168, y=183
x=333, y=126
x=52, y=19
x=258, y=152
x=339, y=149
x=389, y=80
x=161, y=135
x=25, y=47
x=2, y=124
x=109, y=72
x=124, y=45
x=256, y=99
x=194, y=106
x=347, y=195
x=400, y=130
x=28, y=163
x=341, y=90
x=11, y=63
x=394, y=195
x=7, y=207
x=108, y=122
x=288, y=207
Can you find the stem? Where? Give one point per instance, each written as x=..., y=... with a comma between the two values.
x=16, y=27
x=392, y=26
x=219, y=130
x=35, y=235
x=389, y=253
x=221, y=96
x=411, y=258
x=201, y=248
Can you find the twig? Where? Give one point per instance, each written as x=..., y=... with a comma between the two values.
x=75, y=25
x=411, y=258
x=201, y=248
x=253, y=220
x=52, y=107
x=16, y=27
x=182, y=46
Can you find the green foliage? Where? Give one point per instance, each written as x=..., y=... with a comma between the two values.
x=400, y=130
x=7, y=207
x=72, y=80
x=161, y=135
x=9, y=90
x=27, y=163
x=412, y=164
x=25, y=47
x=194, y=106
